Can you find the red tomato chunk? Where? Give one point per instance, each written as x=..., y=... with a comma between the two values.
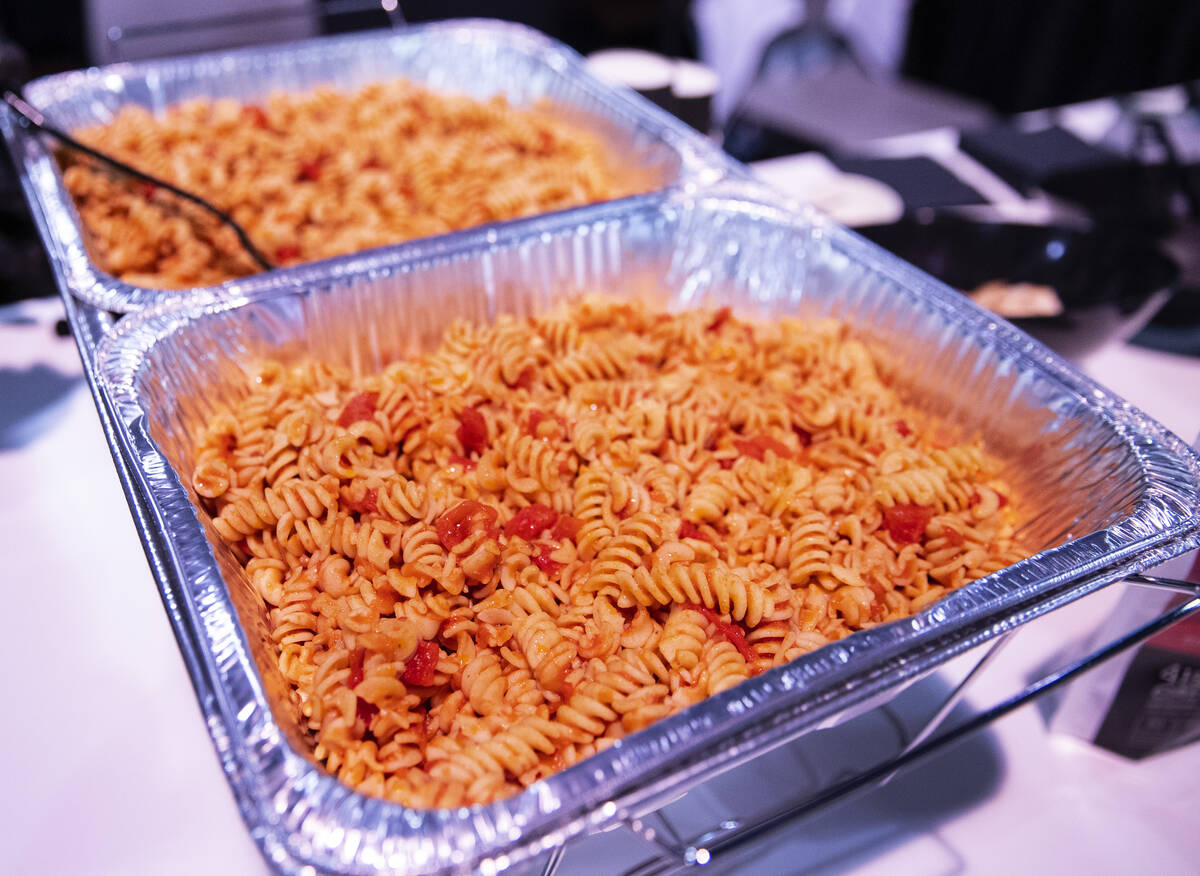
x=720, y=318
x=759, y=445
x=364, y=710
x=257, y=115
x=542, y=559
x=472, y=431
x=421, y=666
x=567, y=527
x=529, y=522
x=310, y=171
x=732, y=633
x=535, y=419
x=461, y=521
x=356, y=668
x=368, y=504
x=907, y=523
x=360, y=407
x=287, y=252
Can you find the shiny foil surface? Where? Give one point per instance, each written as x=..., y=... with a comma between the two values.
x=474, y=57
x=1104, y=490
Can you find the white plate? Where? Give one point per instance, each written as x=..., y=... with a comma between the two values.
x=850, y=198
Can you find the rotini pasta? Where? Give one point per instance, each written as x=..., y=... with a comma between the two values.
x=326, y=173
x=604, y=516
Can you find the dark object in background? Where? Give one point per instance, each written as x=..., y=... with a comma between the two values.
x=1019, y=55
x=920, y=181
x=1112, y=188
x=1110, y=281
x=1027, y=159
x=1156, y=708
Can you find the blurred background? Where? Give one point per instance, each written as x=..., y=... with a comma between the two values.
x=943, y=130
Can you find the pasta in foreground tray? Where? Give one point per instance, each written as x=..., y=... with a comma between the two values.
x=495, y=559
x=327, y=173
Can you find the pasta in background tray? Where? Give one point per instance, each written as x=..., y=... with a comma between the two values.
x=1099, y=490
x=481, y=60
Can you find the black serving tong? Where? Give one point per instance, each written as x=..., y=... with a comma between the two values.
x=30, y=117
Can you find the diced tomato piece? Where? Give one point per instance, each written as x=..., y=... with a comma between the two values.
x=535, y=420
x=357, y=656
x=364, y=710
x=360, y=407
x=975, y=499
x=720, y=318
x=459, y=459
x=747, y=447
x=472, y=431
x=687, y=529
x=525, y=379
x=420, y=729
x=907, y=523
x=287, y=252
x=309, y=171
x=732, y=633
x=758, y=445
x=766, y=442
x=465, y=518
x=529, y=522
x=368, y=504
x=257, y=116
x=542, y=559
x=954, y=537
x=903, y=428
x=421, y=666
x=566, y=527
x=425, y=731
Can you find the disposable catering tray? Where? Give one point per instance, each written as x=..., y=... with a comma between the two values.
x=476, y=57
x=1105, y=491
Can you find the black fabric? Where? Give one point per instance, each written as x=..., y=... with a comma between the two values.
x=920, y=181
x=1019, y=55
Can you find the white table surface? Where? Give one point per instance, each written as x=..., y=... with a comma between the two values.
x=110, y=769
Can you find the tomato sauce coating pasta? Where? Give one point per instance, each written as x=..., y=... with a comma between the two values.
x=326, y=173
x=493, y=560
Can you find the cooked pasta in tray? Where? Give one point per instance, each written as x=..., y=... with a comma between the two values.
x=325, y=173
x=495, y=559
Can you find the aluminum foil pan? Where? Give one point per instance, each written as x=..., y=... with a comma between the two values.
x=480, y=58
x=1113, y=491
